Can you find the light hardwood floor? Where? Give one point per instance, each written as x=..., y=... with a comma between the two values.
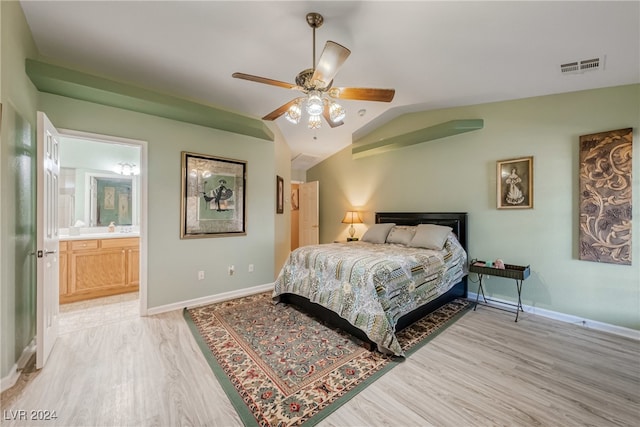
x=90, y=313
x=484, y=370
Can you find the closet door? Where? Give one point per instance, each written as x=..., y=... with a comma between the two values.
x=309, y=213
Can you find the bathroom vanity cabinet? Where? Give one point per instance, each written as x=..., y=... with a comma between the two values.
x=92, y=268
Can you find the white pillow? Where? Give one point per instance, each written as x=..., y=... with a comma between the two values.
x=401, y=234
x=430, y=236
x=377, y=233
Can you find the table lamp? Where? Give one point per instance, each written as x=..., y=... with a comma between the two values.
x=352, y=217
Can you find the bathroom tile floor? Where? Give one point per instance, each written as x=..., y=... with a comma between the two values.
x=80, y=315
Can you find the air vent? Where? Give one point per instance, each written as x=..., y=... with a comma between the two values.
x=578, y=67
x=570, y=67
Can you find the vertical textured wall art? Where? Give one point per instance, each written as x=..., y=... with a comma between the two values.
x=605, y=196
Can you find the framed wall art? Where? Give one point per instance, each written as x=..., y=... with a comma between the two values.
x=606, y=196
x=515, y=183
x=213, y=196
x=279, y=194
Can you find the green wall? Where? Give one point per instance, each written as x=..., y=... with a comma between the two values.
x=17, y=177
x=459, y=174
x=282, y=241
x=173, y=263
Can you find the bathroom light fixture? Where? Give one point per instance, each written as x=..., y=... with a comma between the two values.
x=125, y=168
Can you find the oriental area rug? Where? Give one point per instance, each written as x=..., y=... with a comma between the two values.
x=281, y=367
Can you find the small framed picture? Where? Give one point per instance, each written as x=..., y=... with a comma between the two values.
x=515, y=183
x=279, y=195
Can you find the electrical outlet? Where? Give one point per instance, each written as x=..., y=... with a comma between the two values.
x=250, y=268
x=232, y=270
x=200, y=275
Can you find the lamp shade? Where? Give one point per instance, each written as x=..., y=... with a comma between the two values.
x=352, y=217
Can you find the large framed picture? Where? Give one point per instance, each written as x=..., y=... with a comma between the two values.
x=213, y=196
x=515, y=183
x=606, y=196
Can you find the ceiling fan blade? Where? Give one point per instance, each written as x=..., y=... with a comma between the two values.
x=327, y=117
x=332, y=58
x=264, y=80
x=362, y=93
x=280, y=110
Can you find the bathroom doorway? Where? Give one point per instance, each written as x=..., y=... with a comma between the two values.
x=102, y=220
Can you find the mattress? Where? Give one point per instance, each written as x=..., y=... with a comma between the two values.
x=372, y=285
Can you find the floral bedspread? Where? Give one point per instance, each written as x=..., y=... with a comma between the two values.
x=372, y=285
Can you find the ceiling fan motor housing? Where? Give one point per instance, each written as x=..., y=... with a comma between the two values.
x=305, y=81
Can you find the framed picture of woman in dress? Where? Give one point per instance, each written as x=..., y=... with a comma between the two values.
x=515, y=183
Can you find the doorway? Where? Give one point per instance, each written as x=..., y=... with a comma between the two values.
x=103, y=205
x=304, y=214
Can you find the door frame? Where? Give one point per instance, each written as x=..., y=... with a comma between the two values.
x=143, y=195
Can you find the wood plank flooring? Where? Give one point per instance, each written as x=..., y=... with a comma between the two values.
x=485, y=370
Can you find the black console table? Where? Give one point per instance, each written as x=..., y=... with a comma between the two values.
x=516, y=272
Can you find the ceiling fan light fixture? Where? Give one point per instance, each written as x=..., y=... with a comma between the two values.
x=336, y=112
x=315, y=105
x=314, y=121
x=294, y=113
x=316, y=83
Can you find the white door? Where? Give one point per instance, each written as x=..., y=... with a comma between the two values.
x=309, y=215
x=47, y=240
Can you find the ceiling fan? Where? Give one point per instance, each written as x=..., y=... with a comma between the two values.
x=316, y=83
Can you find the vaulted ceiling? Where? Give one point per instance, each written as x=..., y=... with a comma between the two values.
x=435, y=54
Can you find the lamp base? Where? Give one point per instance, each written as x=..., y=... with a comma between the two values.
x=352, y=239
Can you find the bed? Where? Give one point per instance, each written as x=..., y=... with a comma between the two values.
x=375, y=288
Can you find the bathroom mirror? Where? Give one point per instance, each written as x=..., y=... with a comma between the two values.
x=92, y=193
x=95, y=198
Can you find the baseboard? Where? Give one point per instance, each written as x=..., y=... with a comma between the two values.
x=567, y=318
x=210, y=299
x=14, y=373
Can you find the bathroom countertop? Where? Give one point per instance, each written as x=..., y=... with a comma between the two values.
x=91, y=236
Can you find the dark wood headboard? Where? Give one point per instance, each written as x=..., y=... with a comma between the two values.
x=456, y=220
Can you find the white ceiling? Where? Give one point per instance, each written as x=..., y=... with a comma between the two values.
x=435, y=54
